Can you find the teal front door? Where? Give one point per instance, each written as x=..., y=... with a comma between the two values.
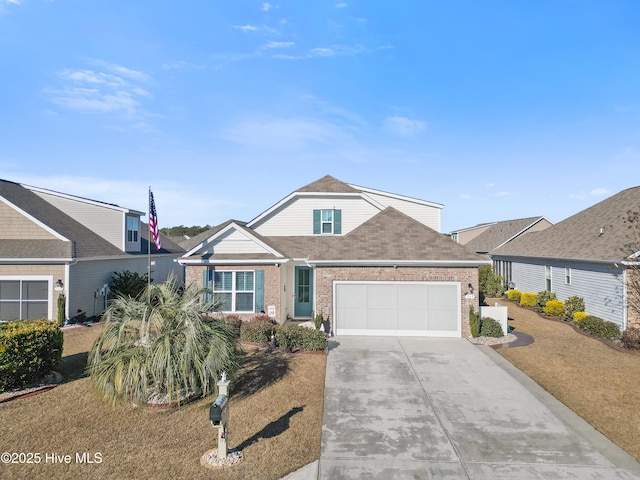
x=303, y=292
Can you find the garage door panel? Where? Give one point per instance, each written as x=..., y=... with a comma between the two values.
x=398, y=308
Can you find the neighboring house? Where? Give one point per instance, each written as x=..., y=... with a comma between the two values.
x=486, y=237
x=370, y=262
x=585, y=255
x=53, y=243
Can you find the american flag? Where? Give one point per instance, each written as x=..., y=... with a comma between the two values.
x=153, y=222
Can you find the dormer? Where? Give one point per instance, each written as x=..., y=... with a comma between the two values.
x=119, y=226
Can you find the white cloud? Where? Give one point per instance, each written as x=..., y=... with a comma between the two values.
x=599, y=192
x=342, y=5
x=491, y=185
x=246, y=28
x=271, y=45
x=267, y=6
x=403, y=126
x=502, y=194
x=100, y=92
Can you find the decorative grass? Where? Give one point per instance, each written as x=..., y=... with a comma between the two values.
x=275, y=419
x=599, y=383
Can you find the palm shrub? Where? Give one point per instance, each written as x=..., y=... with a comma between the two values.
x=163, y=343
x=572, y=305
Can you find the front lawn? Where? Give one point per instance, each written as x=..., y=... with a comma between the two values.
x=275, y=420
x=599, y=383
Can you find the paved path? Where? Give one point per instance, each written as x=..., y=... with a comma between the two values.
x=419, y=408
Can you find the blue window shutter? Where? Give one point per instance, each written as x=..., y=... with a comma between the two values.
x=337, y=222
x=316, y=222
x=207, y=282
x=259, y=290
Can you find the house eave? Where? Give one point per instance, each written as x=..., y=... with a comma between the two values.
x=399, y=263
x=560, y=259
x=244, y=261
x=35, y=261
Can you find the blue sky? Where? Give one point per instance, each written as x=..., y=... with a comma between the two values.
x=496, y=109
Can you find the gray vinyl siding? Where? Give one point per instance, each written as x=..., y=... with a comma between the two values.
x=600, y=285
x=105, y=221
x=89, y=277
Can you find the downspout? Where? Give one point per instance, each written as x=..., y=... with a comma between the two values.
x=625, y=308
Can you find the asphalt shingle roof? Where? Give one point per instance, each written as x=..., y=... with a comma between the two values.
x=499, y=233
x=599, y=232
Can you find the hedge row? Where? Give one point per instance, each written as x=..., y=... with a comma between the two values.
x=29, y=349
x=289, y=336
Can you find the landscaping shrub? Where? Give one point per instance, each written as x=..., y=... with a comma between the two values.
x=261, y=317
x=599, y=328
x=128, y=284
x=572, y=305
x=474, y=322
x=317, y=321
x=528, y=299
x=542, y=298
x=514, y=295
x=234, y=322
x=29, y=349
x=295, y=337
x=490, y=328
x=490, y=283
x=631, y=337
x=579, y=316
x=554, y=308
x=256, y=331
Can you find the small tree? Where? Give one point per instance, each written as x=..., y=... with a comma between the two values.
x=128, y=284
x=491, y=284
x=62, y=314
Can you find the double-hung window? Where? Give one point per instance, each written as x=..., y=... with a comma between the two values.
x=327, y=222
x=23, y=299
x=547, y=278
x=235, y=290
x=567, y=275
x=133, y=227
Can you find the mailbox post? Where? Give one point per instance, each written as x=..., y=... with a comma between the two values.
x=219, y=415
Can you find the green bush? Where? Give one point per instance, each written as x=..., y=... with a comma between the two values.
x=554, y=308
x=295, y=337
x=631, y=337
x=514, y=295
x=528, y=299
x=317, y=321
x=542, y=298
x=29, y=349
x=599, y=328
x=491, y=328
x=234, y=322
x=257, y=331
x=474, y=322
x=490, y=283
x=128, y=284
x=572, y=305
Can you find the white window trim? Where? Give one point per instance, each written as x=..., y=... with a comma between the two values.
x=330, y=222
x=233, y=290
x=567, y=275
x=548, y=277
x=47, y=278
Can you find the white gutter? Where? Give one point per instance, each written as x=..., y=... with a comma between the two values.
x=401, y=263
x=206, y=261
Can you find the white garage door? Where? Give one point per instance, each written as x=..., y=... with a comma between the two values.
x=397, y=308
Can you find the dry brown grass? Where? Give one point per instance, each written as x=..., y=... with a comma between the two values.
x=599, y=383
x=275, y=419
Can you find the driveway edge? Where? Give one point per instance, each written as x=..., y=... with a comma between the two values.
x=616, y=455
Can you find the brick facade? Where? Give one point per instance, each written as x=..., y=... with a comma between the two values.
x=272, y=282
x=325, y=276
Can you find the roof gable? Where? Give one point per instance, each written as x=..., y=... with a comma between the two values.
x=502, y=232
x=328, y=184
x=599, y=233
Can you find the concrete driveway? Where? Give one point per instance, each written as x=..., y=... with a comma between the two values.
x=418, y=408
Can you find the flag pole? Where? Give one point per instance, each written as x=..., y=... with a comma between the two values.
x=149, y=241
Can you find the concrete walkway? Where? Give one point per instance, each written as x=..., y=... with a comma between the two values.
x=419, y=408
